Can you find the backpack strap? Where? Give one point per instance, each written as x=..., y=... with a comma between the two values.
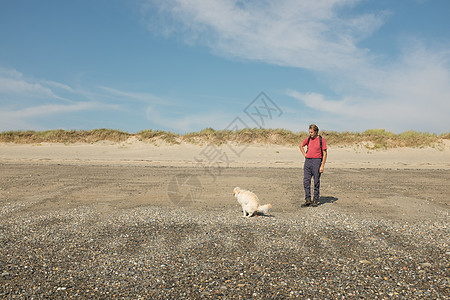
x=320, y=140
x=307, y=144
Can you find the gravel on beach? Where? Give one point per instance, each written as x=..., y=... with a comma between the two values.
x=157, y=251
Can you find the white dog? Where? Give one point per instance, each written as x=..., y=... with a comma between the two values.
x=250, y=202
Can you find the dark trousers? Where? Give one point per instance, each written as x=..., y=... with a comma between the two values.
x=311, y=169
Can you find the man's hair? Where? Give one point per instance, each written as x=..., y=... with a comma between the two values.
x=314, y=127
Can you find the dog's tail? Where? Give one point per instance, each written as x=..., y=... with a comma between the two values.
x=264, y=208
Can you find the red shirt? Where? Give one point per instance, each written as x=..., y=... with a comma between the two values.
x=314, y=147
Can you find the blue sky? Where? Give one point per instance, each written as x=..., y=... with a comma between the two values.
x=346, y=65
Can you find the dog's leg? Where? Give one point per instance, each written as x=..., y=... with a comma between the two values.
x=245, y=213
x=250, y=215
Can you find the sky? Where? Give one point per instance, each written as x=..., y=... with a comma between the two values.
x=186, y=65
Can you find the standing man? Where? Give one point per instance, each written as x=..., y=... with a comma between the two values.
x=316, y=155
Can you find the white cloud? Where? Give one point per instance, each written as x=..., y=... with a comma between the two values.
x=45, y=110
x=58, y=85
x=181, y=122
x=306, y=34
x=21, y=119
x=133, y=96
x=14, y=85
x=29, y=103
x=413, y=94
x=24, y=88
x=410, y=91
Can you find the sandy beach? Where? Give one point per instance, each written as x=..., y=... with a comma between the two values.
x=137, y=220
x=231, y=155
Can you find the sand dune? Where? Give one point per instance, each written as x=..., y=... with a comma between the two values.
x=231, y=155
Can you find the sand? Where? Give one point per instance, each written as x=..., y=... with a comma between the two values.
x=138, y=220
x=270, y=156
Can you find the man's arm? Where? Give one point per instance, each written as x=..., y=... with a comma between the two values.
x=303, y=150
x=324, y=159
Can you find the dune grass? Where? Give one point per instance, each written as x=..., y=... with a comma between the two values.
x=63, y=136
x=382, y=139
x=372, y=139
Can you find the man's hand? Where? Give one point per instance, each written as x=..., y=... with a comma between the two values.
x=303, y=150
x=324, y=159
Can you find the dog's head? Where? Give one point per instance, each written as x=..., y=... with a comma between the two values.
x=236, y=191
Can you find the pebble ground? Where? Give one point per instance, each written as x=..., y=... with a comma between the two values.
x=173, y=252
x=157, y=252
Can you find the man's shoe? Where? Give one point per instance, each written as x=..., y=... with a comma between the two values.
x=315, y=203
x=307, y=202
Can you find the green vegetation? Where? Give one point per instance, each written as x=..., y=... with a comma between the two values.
x=167, y=136
x=382, y=139
x=63, y=136
x=372, y=139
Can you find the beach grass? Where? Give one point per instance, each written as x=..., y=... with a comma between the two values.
x=63, y=136
x=372, y=138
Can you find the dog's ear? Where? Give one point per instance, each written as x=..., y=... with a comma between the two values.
x=235, y=191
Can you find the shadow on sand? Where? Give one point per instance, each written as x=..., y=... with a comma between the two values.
x=328, y=199
x=260, y=214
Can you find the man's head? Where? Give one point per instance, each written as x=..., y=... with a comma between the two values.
x=313, y=130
